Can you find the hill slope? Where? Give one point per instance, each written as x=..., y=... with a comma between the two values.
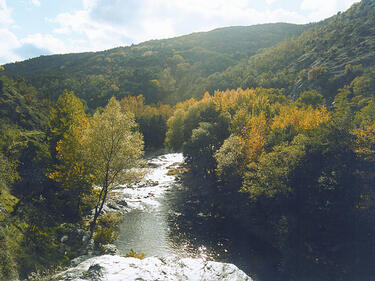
x=167, y=70
x=319, y=59
x=325, y=57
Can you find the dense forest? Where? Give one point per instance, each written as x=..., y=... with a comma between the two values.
x=52, y=156
x=278, y=118
x=308, y=172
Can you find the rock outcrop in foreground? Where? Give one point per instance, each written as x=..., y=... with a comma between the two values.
x=113, y=268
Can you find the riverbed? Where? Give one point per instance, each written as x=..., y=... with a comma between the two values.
x=165, y=218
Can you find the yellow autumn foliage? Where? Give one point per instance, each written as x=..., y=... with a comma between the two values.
x=300, y=118
x=254, y=136
x=365, y=142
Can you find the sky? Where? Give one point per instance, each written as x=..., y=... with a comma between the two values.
x=30, y=28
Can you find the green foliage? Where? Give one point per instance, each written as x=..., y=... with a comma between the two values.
x=43, y=164
x=8, y=266
x=107, y=228
x=112, y=151
x=7, y=172
x=312, y=98
x=152, y=120
x=19, y=104
x=175, y=134
x=39, y=251
x=64, y=116
x=230, y=160
x=199, y=129
x=271, y=174
x=199, y=150
x=307, y=171
x=112, y=146
x=162, y=70
x=364, y=84
x=8, y=233
x=68, y=122
x=324, y=58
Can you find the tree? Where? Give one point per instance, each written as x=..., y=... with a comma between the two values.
x=312, y=98
x=68, y=122
x=231, y=160
x=152, y=119
x=113, y=148
x=200, y=148
x=65, y=115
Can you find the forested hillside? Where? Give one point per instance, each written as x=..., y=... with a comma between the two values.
x=324, y=58
x=46, y=183
x=162, y=70
x=306, y=173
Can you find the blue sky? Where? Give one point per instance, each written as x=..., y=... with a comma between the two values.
x=31, y=28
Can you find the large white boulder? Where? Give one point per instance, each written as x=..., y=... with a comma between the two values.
x=113, y=268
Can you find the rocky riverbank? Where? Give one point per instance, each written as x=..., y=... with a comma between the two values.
x=141, y=195
x=170, y=263
x=116, y=268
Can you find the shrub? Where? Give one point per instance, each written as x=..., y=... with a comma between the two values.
x=107, y=228
x=133, y=254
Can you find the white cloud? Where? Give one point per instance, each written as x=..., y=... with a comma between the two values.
x=111, y=23
x=321, y=5
x=36, y=3
x=103, y=24
x=10, y=39
x=88, y=4
x=320, y=9
x=46, y=41
x=6, y=53
x=72, y=22
x=98, y=36
x=5, y=14
x=270, y=2
x=10, y=50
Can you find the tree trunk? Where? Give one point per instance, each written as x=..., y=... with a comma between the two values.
x=100, y=204
x=78, y=215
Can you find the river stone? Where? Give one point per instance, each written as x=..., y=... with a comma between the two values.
x=110, y=249
x=79, y=260
x=116, y=268
x=94, y=273
x=122, y=203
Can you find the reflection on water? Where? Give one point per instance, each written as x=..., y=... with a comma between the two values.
x=144, y=232
x=145, y=227
x=166, y=218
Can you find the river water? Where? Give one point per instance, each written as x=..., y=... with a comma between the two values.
x=145, y=227
x=165, y=218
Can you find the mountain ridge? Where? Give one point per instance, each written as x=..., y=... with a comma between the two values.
x=293, y=58
x=176, y=63
x=316, y=60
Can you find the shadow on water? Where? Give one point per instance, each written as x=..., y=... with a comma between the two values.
x=194, y=219
x=173, y=219
x=167, y=217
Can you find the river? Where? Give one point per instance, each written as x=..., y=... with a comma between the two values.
x=166, y=218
